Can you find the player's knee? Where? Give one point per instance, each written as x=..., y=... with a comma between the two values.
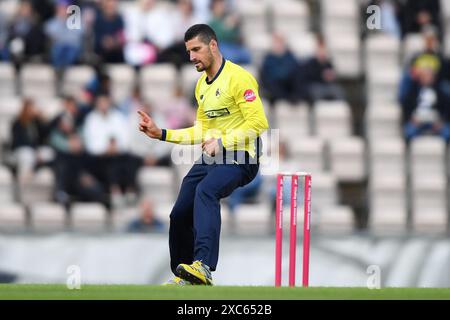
x=204, y=190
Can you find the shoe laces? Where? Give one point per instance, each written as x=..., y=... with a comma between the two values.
x=199, y=266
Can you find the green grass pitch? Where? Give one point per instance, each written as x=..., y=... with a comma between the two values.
x=144, y=292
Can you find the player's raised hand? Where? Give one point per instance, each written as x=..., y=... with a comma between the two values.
x=148, y=126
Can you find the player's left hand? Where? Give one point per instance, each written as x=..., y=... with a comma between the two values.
x=211, y=147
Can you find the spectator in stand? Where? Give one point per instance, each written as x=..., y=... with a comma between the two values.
x=147, y=220
x=73, y=181
x=106, y=139
x=45, y=8
x=109, y=32
x=281, y=74
x=432, y=58
x=227, y=28
x=66, y=43
x=26, y=37
x=414, y=15
x=321, y=77
x=149, y=31
x=426, y=107
x=182, y=19
x=28, y=134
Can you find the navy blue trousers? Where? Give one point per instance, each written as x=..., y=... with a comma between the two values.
x=195, y=220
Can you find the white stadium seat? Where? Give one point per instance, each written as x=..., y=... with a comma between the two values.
x=290, y=17
x=157, y=183
x=122, y=81
x=40, y=188
x=88, y=217
x=347, y=159
x=332, y=119
x=158, y=81
x=309, y=153
x=7, y=80
x=38, y=81
x=12, y=217
x=48, y=217
x=383, y=121
x=6, y=185
x=76, y=78
x=382, y=51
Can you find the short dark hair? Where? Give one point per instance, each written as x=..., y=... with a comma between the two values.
x=203, y=31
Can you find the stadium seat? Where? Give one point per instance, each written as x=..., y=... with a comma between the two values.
x=340, y=17
x=382, y=84
x=7, y=80
x=39, y=189
x=412, y=44
x=445, y=7
x=387, y=185
x=8, y=8
x=334, y=219
x=253, y=17
x=308, y=153
x=158, y=183
x=332, y=119
x=10, y=107
x=292, y=116
x=123, y=79
x=76, y=78
x=12, y=217
x=429, y=203
x=324, y=190
x=189, y=77
x=383, y=121
x=48, y=217
x=249, y=218
x=158, y=81
x=303, y=45
x=259, y=44
x=428, y=183
x=382, y=50
x=88, y=217
x=38, y=81
x=50, y=107
x=6, y=185
x=347, y=159
x=427, y=157
x=387, y=202
x=446, y=44
x=387, y=157
x=121, y=218
x=345, y=54
x=290, y=17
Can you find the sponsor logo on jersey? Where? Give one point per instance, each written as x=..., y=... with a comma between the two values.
x=217, y=92
x=217, y=113
x=249, y=95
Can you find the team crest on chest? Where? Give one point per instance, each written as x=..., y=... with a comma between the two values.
x=217, y=92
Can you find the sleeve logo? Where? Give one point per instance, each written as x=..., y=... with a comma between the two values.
x=249, y=95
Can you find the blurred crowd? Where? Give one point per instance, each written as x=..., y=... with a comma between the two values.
x=142, y=34
x=424, y=89
x=93, y=144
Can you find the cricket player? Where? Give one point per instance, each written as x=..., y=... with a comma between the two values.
x=230, y=119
